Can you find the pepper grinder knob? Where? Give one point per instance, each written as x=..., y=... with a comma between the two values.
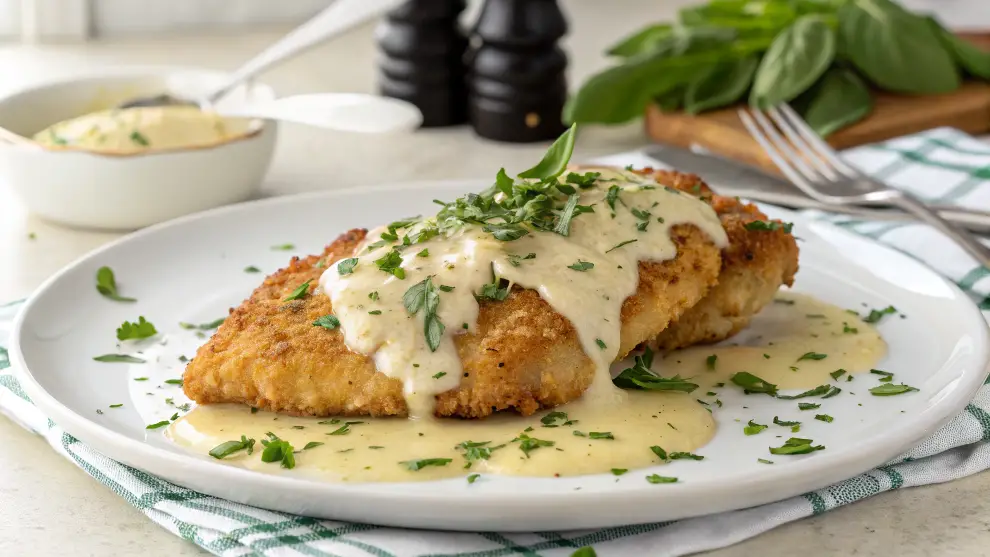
x=516, y=82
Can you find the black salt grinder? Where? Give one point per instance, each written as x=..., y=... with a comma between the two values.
x=422, y=59
x=516, y=81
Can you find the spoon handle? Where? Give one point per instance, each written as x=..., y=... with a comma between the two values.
x=349, y=112
x=334, y=20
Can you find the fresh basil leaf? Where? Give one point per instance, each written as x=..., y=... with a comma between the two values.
x=725, y=84
x=895, y=49
x=645, y=40
x=970, y=57
x=555, y=160
x=839, y=99
x=798, y=56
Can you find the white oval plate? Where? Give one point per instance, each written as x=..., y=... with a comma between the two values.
x=191, y=270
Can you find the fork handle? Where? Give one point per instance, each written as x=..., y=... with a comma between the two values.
x=967, y=241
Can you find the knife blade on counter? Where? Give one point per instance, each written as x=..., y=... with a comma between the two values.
x=731, y=178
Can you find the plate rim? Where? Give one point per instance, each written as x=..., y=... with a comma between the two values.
x=808, y=474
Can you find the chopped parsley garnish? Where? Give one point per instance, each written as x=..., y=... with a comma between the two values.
x=784, y=423
x=685, y=456
x=139, y=138
x=658, y=479
x=642, y=378
x=439, y=375
x=119, y=358
x=571, y=210
x=808, y=406
x=375, y=312
x=881, y=373
x=889, y=389
x=611, y=197
x=312, y=445
x=643, y=217
x=203, y=326
x=551, y=419
x=752, y=428
x=824, y=417
x=837, y=373
x=529, y=444
x=284, y=247
x=346, y=266
x=472, y=478
x=657, y=450
x=140, y=329
x=497, y=290
x=116, y=406
x=769, y=226
x=710, y=362
x=600, y=343
x=391, y=263
x=600, y=435
x=825, y=391
x=876, y=315
x=299, y=292
x=585, y=180
x=107, y=285
x=477, y=450
x=812, y=356
x=140, y=378
x=373, y=296
x=753, y=384
x=445, y=288
x=796, y=445
x=424, y=296
x=251, y=269
x=620, y=244
x=581, y=265
x=329, y=321
x=846, y=329
x=278, y=450
x=163, y=423
x=415, y=465
x=423, y=253
x=223, y=450
x=515, y=260
x=764, y=461
x=619, y=471
x=173, y=381
x=344, y=429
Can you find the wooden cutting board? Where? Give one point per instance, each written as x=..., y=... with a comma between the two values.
x=721, y=132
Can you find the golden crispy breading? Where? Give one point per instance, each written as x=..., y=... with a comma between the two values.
x=754, y=266
x=524, y=355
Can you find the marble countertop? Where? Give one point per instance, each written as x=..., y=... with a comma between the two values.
x=49, y=507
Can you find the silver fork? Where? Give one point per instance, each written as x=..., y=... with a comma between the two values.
x=815, y=168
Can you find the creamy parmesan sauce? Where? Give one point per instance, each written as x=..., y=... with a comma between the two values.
x=590, y=299
x=376, y=448
x=143, y=129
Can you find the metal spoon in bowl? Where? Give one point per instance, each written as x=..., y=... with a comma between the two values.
x=341, y=111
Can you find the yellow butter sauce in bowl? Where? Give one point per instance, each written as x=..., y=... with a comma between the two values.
x=145, y=129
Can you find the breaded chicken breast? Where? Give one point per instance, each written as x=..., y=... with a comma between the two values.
x=754, y=266
x=521, y=356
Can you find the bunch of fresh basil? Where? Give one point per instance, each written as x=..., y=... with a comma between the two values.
x=820, y=55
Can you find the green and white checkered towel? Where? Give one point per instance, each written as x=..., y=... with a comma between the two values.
x=940, y=165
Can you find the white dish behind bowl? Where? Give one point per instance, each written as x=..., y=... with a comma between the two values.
x=92, y=190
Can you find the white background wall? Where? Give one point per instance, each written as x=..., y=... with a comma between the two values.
x=78, y=19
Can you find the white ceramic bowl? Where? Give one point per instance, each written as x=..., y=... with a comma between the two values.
x=90, y=190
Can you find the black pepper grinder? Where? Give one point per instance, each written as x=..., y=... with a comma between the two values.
x=516, y=81
x=422, y=59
